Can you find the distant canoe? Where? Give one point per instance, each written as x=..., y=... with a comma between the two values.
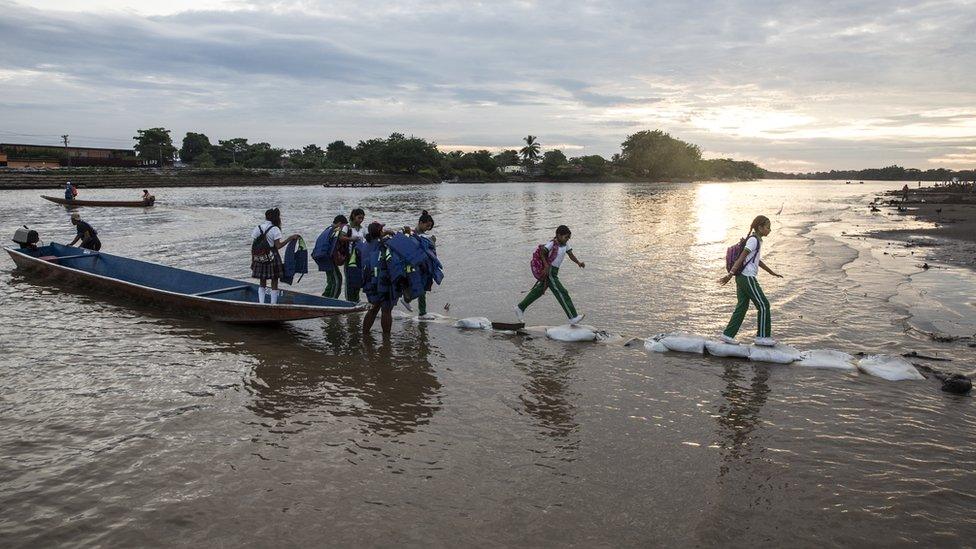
x=187, y=292
x=110, y=203
x=366, y=185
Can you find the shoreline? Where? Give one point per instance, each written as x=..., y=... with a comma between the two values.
x=154, y=179
x=952, y=212
x=161, y=178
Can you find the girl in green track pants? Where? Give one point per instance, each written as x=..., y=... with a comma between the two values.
x=333, y=277
x=550, y=278
x=333, y=283
x=745, y=269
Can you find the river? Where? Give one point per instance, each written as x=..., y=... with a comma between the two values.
x=124, y=426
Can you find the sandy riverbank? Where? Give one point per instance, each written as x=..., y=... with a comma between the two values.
x=948, y=222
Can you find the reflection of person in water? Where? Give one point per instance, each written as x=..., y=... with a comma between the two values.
x=389, y=387
x=739, y=417
x=547, y=396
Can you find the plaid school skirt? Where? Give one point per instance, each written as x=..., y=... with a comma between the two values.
x=267, y=269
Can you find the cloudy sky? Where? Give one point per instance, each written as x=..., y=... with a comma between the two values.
x=794, y=86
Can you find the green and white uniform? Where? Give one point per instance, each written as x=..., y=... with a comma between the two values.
x=747, y=289
x=333, y=279
x=422, y=300
x=558, y=290
x=357, y=234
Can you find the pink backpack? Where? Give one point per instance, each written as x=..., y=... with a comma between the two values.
x=734, y=251
x=537, y=265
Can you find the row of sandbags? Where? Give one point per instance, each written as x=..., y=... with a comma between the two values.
x=892, y=368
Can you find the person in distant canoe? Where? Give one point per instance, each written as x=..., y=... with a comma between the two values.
x=904, y=193
x=70, y=192
x=146, y=197
x=86, y=234
x=266, y=240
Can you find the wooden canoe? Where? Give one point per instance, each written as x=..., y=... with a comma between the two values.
x=109, y=203
x=213, y=297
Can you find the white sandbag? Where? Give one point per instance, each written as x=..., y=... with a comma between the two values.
x=826, y=358
x=892, y=368
x=568, y=332
x=474, y=323
x=654, y=346
x=683, y=343
x=431, y=317
x=779, y=354
x=720, y=348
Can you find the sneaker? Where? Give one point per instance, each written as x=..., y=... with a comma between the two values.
x=427, y=316
x=576, y=319
x=519, y=313
x=726, y=339
x=766, y=341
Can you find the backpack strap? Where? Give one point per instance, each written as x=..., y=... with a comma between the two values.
x=264, y=233
x=755, y=253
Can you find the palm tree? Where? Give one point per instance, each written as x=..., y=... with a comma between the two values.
x=530, y=152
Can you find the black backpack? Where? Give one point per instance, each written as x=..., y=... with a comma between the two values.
x=260, y=249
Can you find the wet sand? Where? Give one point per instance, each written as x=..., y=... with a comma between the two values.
x=946, y=228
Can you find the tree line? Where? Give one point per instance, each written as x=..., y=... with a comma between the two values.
x=645, y=155
x=888, y=173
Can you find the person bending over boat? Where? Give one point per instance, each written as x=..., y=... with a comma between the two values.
x=146, y=197
x=266, y=240
x=86, y=234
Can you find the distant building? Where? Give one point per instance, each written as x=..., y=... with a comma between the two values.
x=3, y=160
x=514, y=169
x=19, y=155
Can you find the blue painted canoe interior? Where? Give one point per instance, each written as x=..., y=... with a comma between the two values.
x=166, y=278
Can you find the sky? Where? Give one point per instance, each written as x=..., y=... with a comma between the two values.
x=794, y=86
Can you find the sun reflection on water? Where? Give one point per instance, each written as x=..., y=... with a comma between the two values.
x=711, y=204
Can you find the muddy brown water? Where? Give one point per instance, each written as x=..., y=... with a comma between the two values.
x=124, y=426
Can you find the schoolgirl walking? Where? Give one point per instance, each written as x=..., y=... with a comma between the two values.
x=545, y=267
x=745, y=269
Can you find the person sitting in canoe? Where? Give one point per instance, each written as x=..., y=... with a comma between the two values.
x=146, y=197
x=266, y=240
x=70, y=192
x=86, y=234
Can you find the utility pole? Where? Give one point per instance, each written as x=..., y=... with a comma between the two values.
x=66, y=153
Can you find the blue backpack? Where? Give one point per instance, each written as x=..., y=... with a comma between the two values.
x=325, y=247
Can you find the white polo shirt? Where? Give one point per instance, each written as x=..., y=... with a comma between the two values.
x=274, y=233
x=751, y=265
x=560, y=255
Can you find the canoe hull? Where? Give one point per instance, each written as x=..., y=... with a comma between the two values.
x=106, y=203
x=222, y=310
